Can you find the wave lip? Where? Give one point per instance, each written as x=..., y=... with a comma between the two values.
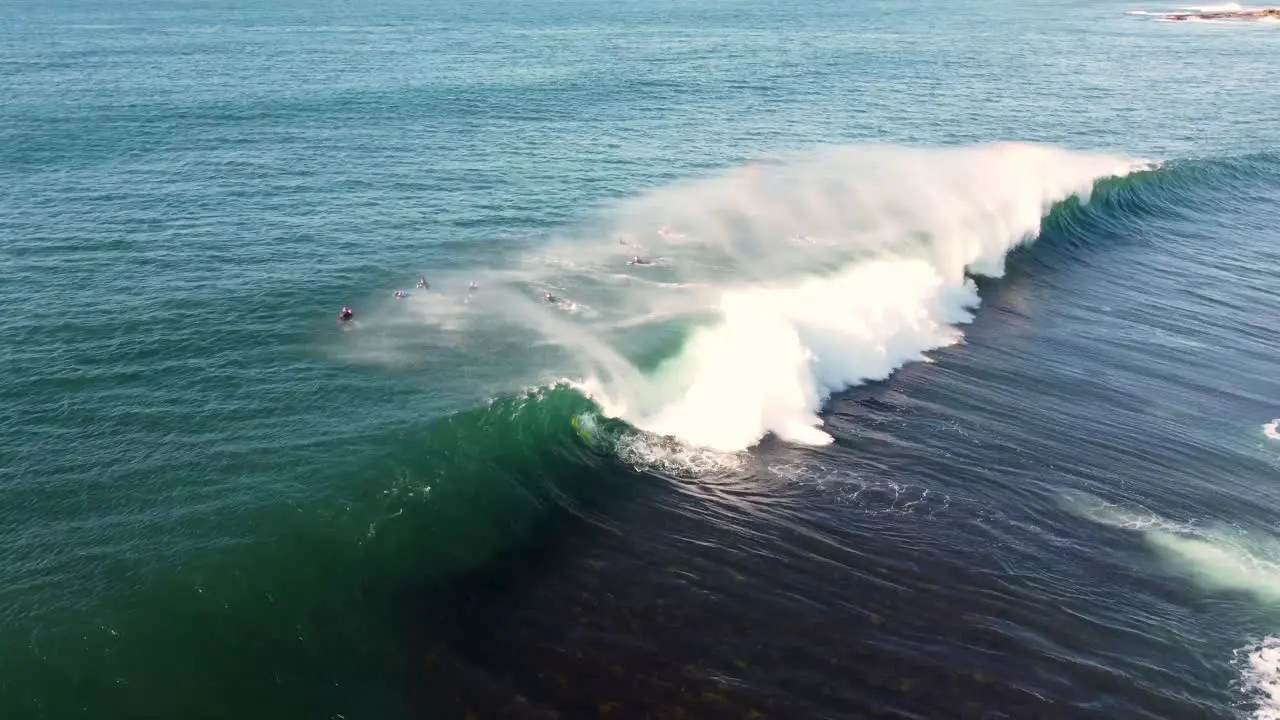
x=901, y=229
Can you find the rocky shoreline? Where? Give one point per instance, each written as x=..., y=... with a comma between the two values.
x=1228, y=15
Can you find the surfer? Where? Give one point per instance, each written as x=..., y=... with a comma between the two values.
x=346, y=314
x=400, y=295
x=422, y=282
x=471, y=286
x=550, y=298
x=637, y=260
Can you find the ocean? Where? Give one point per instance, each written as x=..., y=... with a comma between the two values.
x=946, y=384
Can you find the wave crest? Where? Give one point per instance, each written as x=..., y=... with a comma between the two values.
x=890, y=237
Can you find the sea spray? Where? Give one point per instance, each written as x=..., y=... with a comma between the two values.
x=887, y=236
x=770, y=286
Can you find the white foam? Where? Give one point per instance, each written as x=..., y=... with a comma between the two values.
x=1224, y=558
x=1197, y=13
x=1129, y=516
x=868, y=493
x=779, y=352
x=1260, y=677
x=1214, y=557
x=900, y=226
x=782, y=282
x=647, y=452
x=1272, y=429
x=1226, y=7
x=1185, y=9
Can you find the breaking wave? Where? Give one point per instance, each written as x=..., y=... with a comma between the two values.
x=822, y=272
x=761, y=290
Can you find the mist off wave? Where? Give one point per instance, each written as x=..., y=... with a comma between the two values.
x=791, y=278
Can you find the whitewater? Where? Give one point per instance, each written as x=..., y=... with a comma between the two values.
x=787, y=279
x=767, y=287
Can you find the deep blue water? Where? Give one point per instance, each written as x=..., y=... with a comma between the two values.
x=216, y=501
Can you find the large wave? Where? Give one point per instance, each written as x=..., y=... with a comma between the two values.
x=817, y=272
x=772, y=285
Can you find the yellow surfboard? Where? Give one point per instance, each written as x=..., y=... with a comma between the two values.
x=583, y=432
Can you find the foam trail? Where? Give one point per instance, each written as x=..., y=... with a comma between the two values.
x=804, y=275
x=1214, y=557
x=1220, y=558
x=1260, y=677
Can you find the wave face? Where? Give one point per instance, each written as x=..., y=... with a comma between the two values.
x=800, y=276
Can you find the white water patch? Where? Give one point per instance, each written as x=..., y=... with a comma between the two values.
x=1260, y=677
x=795, y=323
x=1226, y=14
x=779, y=352
x=646, y=452
x=1272, y=429
x=1129, y=516
x=1214, y=557
x=1224, y=558
x=773, y=285
x=865, y=492
x=649, y=453
x=437, y=308
x=1184, y=9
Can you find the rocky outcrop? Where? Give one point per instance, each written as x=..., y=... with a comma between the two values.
x=1228, y=15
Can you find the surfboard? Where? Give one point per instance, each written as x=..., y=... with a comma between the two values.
x=583, y=432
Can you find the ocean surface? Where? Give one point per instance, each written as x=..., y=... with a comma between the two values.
x=946, y=388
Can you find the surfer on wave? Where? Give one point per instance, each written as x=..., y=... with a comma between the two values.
x=346, y=314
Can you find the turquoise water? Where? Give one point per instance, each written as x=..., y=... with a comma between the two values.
x=218, y=502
